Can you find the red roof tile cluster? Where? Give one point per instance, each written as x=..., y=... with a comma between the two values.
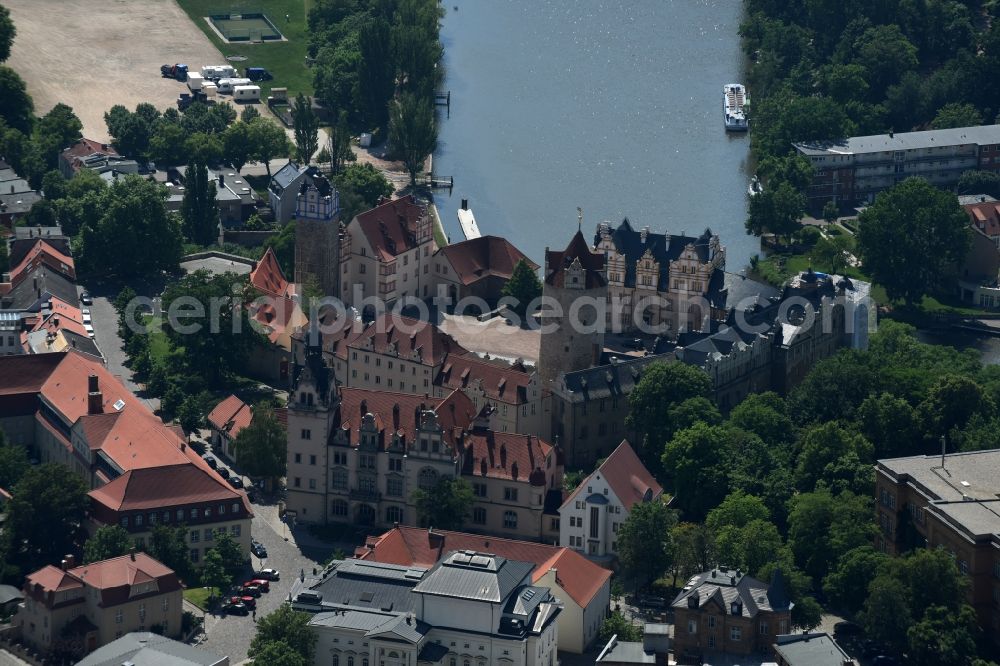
x=506, y=455
x=628, y=478
x=486, y=256
x=63, y=316
x=43, y=252
x=404, y=337
x=985, y=217
x=231, y=416
x=414, y=546
x=500, y=381
x=26, y=373
x=391, y=227
x=167, y=486
x=113, y=578
x=557, y=262
x=87, y=147
x=268, y=277
x=399, y=413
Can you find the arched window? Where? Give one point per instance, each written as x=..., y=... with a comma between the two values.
x=427, y=479
x=338, y=508
x=336, y=660
x=393, y=515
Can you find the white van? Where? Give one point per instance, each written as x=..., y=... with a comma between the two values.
x=246, y=93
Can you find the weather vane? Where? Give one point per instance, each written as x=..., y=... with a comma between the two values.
x=579, y=218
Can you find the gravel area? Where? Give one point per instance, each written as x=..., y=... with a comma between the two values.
x=93, y=55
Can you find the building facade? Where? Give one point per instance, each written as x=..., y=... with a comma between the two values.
x=77, y=609
x=318, y=234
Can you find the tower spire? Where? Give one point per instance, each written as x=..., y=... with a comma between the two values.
x=579, y=218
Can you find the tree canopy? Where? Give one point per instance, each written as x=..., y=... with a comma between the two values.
x=108, y=541
x=7, y=33
x=644, y=541
x=412, y=132
x=306, y=129
x=262, y=447
x=284, y=626
x=446, y=505
x=199, y=209
x=523, y=286
x=46, y=513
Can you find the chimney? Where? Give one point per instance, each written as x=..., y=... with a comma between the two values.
x=222, y=179
x=68, y=562
x=395, y=417
x=465, y=204
x=95, y=398
x=890, y=133
x=513, y=470
x=131, y=553
x=364, y=408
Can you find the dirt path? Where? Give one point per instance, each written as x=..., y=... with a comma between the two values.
x=93, y=54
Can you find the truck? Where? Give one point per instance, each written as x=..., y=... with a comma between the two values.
x=258, y=74
x=229, y=85
x=176, y=71
x=195, y=81
x=214, y=72
x=246, y=93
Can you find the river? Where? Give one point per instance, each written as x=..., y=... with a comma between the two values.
x=614, y=107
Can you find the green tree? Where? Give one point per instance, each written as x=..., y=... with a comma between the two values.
x=376, y=71
x=16, y=106
x=412, y=132
x=277, y=653
x=213, y=572
x=7, y=33
x=283, y=245
x=944, y=637
x=693, y=410
x=168, y=544
x=54, y=185
x=168, y=144
x=846, y=586
x=445, y=505
x=305, y=125
x=341, y=151
x=737, y=510
x=262, y=447
x=41, y=214
x=269, y=142
x=360, y=187
x=951, y=401
x=765, y=415
x=108, y=541
x=835, y=458
x=694, y=470
x=891, y=424
x=886, y=54
x=134, y=235
x=249, y=113
x=832, y=252
x=911, y=238
x=644, y=546
x=57, y=129
x=777, y=211
x=4, y=258
x=199, y=208
x=131, y=132
x=47, y=512
x=830, y=212
x=694, y=549
x=887, y=616
x=955, y=114
x=662, y=386
x=980, y=182
x=617, y=624
x=13, y=458
x=522, y=288
x=288, y=626
x=237, y=147
x=823, y=527
x=232, y=555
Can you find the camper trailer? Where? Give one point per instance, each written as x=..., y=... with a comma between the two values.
x=246, y=93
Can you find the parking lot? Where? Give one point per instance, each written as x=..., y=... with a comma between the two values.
x=93, y=55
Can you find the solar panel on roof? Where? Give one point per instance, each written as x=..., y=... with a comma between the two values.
x=480, y=561
x=119, y=404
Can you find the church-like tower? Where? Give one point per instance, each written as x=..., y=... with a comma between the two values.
x=317, y=234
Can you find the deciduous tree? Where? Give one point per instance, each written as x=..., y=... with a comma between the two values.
x=445, y=505
x=262, y=447
x=16, y=105
x=523, y=288
x=306, y=128
x=47, y=512
x=213, y=572
x=288, y=626
x=168, y=544
x=236, y=144
x=644, y=546
x=108, y=541
x=618, y=625
x=269, y=142
x=955, y=114
x=199, y=208
x=412, y=132
x=13, y=458
x=7, y=33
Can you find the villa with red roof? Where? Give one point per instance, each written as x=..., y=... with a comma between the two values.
x=84, y=607
x=582, y=586
x=478, y=267
x=590, y=517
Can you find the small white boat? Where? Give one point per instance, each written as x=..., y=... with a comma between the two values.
x=755, y=187
x=734, y=101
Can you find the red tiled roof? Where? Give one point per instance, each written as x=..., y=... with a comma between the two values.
x=170, y=485
x=505, y=455
x=592, y=262
x=391, y=227
x=114, y=579
x=482, y=257
x=626, y=475
x=414, y=546
x=985, y=216
x=500, y=381
x=402, y=336
x=454, y=413
x=268, y=277
x=52, y=579
x=42, y=252
x=276, y=315
x=85, y=147
x=120, y=571
x=63, y=316
x=26, y=373
x=231, y=416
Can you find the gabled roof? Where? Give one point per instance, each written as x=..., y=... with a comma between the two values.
x=557, y=262
x=231, y=416
x=407, y=338
x=169, y=485
x=487, y=256
x=627, y=477
x=43, y=251
x=391, y=227
x=724, y=587
x=663, y=248
x=37, y=282
x=580, y=578
x=86, y=147
x=474, y=576
x=278, y=315
x=398, y=412
x=268, y=277
x=985, y=216
x=505, y=455
x=501, y=381
x=287, y=174
x=142, y=648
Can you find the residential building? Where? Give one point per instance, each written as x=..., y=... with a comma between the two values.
x=726, y=611
x=590, y=517
x=143, y=648
x=469, y=608
x=235, y=198
x=80, y=608
x=635, y=653
x=851, y=172
x=386, y=254
x=979, y=276
x=93, y=155
x=948, y=502
x=575, y=282
x=283, y=190
x=476, y=268
x=10, y=333
x=583, y=587
x=357, y=455
x=278, y=315
x=810, y=649
x=739, y=362
x=67, y=408
x=229, y=418
x=669, y=283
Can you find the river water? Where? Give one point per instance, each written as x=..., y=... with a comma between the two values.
x=615, y=107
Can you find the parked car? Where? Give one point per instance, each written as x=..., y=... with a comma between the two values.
x=257, y=548
x=251, y=589
x=211, y=462
x=86, y=299
x=246, y=600
x=236, y=482
x=90, y=330
x=269, y=574
x=223, y=472
x=236, y=609
x=263, y=583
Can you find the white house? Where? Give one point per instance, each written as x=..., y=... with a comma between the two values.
x=591, y=516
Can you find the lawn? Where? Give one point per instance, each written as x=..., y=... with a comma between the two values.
x=198, y=596
x=285, y=60
x=159, y=345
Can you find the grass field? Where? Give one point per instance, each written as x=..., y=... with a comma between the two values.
x=198, y=596
x=285, y=60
